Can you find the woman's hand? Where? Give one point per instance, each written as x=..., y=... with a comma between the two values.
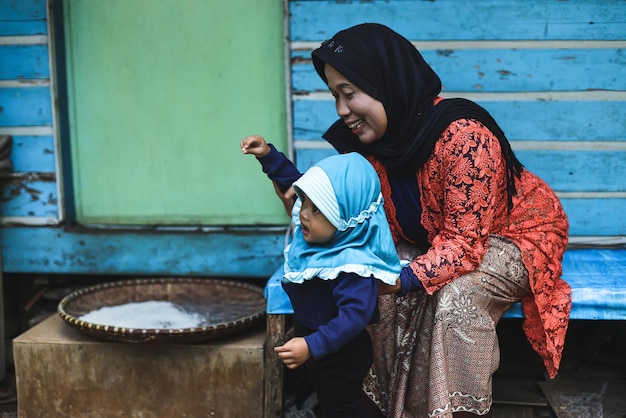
x=288, y=198
x=294, y=352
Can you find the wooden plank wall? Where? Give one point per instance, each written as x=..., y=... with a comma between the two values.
x=552, y=73
x=31, y=192
x=37, y=234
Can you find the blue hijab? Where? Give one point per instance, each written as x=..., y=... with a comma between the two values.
x=346, y=189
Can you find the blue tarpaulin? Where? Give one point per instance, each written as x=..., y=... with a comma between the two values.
x=597, y=277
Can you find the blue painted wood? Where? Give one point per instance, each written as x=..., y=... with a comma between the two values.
x=588, y=216
x=462, y=20
x=505, y=70
x=31, y=154
x=557, y=120
x=565, y=171
x=22, y=10
x=28, y=106
x=29, y=198
x=24, y=62
x=53, y=250
x=305, y=157
x=596, y=217
x=596, y=276
x=23, y=17
x=521, y=120
x=586, y=171
x=247, y=254
x=23, y=28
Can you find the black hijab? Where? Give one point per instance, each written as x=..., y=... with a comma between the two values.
x=386, y=66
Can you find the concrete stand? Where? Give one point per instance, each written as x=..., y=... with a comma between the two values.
x=62, y=372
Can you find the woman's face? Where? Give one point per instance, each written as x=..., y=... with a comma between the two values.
x=363, y=114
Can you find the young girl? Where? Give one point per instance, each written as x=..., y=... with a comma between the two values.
x=341, y=248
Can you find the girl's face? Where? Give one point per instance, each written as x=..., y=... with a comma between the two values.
x=315, y=226
x=363, y=114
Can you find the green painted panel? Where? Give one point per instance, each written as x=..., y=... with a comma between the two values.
x=161, y=92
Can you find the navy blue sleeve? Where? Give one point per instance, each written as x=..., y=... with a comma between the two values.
x=356, y=298
x=409, y=281
x=279, y=168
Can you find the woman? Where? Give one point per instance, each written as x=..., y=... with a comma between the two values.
x=493, y=232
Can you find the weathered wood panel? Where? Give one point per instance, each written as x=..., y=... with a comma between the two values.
x=464, y=20
x=565, y=171
x=521, y=120
x=595, y=216
x=568, y=172
x=23, y=17
x=27, y=106
x=32, y=154
x=243, y=253
x=504, y=70
x=578, y=171
x=30, y=193
x=29, y=198
x=24, y=62
x=551, y=73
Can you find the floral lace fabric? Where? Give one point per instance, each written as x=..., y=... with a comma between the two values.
x=463, y=196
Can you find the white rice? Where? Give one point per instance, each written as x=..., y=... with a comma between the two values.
x=145, y=315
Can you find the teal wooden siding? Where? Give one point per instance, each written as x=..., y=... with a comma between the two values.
x=551, y=72
x=37, y=236
x=31, y=193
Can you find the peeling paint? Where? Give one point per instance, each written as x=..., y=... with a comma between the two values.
x=445, y=52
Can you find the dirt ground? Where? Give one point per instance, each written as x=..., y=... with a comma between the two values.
x=591, y=382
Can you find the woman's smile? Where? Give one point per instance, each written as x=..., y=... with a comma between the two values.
x=355, y=126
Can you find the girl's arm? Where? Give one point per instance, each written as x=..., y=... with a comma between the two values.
x=279, y=169
x=356, y=300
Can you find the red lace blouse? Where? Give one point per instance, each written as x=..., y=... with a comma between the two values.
x=463, y=197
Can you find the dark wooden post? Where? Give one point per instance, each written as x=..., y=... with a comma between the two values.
x=5, y=167
x=274, y=369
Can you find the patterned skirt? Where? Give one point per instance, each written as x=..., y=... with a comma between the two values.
x=435, y=355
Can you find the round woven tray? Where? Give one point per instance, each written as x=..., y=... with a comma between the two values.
x=228, y=306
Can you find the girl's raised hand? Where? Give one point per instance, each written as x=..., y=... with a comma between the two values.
x=255, y=145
